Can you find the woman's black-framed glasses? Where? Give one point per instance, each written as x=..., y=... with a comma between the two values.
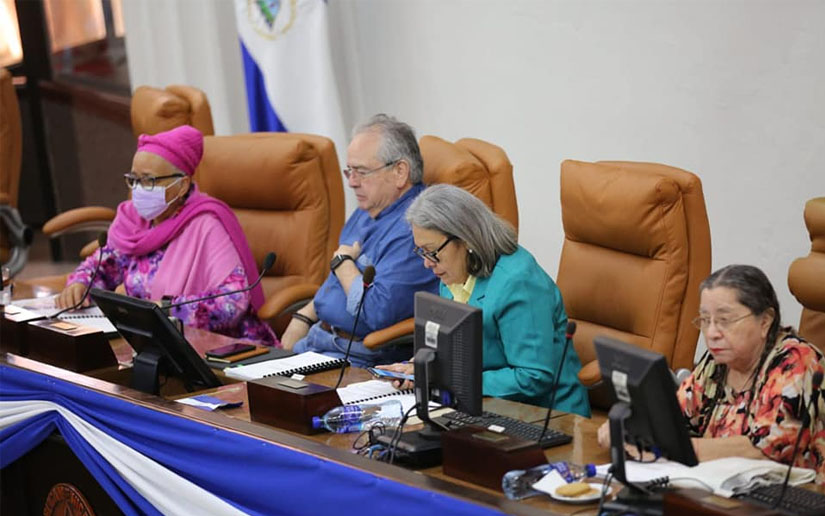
x=360, y=173
x=433, y=255
x=147, y=182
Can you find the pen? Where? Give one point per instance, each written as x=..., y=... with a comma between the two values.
x=222, y=360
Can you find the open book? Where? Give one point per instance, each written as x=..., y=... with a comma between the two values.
x=726, y=477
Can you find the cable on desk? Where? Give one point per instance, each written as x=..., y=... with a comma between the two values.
x=605, y=489
x=399, y=432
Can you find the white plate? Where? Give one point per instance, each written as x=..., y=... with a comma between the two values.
x=593, y=496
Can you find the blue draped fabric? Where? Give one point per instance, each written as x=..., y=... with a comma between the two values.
x=256, y=476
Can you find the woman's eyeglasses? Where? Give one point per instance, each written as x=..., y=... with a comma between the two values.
x=703, y=322
x=361, y=173
x=433, y=255
x=146, y=182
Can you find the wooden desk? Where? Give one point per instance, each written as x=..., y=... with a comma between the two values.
x=337, y=448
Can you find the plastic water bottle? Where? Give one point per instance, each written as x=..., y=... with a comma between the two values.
x=518, y=484
x=355, y=418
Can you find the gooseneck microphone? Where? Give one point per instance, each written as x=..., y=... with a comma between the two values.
x=268, y=262
x=816, y=383
x=101, y=242
x=368, y=277
x=568, y=338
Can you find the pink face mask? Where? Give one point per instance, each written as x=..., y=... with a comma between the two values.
x=151, y=203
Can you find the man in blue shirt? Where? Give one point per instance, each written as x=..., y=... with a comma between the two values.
x=384, y=169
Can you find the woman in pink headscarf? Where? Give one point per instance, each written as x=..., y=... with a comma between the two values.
x=172, y=243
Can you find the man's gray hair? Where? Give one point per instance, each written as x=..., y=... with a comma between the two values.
x=454, y=211
x=397, y=142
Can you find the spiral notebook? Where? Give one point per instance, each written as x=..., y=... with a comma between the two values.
x=303, y=363
x=91, y=317
x=376, y=391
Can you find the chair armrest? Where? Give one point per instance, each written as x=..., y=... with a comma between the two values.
x=287, y=298
x=91, y=218
x=4, y=198
x=590, y=375
x=382, y=337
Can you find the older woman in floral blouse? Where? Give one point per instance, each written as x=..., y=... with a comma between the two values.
x=749, y=395
x=171, y=242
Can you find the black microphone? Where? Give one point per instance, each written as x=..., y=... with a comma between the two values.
x=568, y=338
x=816, y=382
x=101, y=242
x=268, y=262
x=368, y=277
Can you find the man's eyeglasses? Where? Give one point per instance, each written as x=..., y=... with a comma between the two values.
x=147, y=182
x=722, y=323
x=361, y=173
x=433, y=255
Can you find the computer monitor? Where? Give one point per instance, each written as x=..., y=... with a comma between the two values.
x=448, y=354
x=448, y=359
x=647, y=412
x=160, y=346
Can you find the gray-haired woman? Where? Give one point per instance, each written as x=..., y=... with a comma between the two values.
x=475, y=255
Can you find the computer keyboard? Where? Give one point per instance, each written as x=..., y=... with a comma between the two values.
x=514, y=427
x=797, y=500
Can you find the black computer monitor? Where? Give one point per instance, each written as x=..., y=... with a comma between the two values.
x=160, y=346
x=647, y=412
x=448, y=354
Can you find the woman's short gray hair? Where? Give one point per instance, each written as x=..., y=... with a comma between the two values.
x=397, y=142
x=454, y=211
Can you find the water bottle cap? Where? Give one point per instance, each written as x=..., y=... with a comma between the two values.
x=590, y=470
x=317, y=422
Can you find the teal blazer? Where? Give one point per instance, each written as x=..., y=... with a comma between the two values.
x=524, y=323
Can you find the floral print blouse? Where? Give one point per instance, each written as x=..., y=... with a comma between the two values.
x=772, y=419
x=231, y=315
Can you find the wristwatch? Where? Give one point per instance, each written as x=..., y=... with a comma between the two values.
x=338, y=259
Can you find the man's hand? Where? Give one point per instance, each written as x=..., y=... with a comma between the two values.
x=402, y=367
x=71, y=295
x=353, y=250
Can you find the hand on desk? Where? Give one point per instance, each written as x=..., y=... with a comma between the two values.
x=71, y=295
x=402, y=367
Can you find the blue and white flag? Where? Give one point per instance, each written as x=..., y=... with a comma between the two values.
x=290, y=83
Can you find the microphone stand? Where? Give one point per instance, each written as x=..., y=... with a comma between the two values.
x=268, y=262
x=368, y=277
x=568, y=338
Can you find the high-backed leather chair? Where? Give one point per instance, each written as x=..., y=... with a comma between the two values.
x=155, y=110
x=479, y=167
x=15, y=236
x=806, y=276
x=636, y=247
x=287, y=192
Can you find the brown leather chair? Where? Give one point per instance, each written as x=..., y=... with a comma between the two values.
x=287, y=192
x=479, y=167
x=153, y=110
x=806, y=277
x=636, y=247
x=156, y=110
x=15, y=236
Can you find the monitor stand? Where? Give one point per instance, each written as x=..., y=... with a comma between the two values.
x=145, y=372
x=420, y=448
x=631, y=498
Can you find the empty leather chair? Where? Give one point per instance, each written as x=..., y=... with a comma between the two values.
x=636, y=247
x=806, y=276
